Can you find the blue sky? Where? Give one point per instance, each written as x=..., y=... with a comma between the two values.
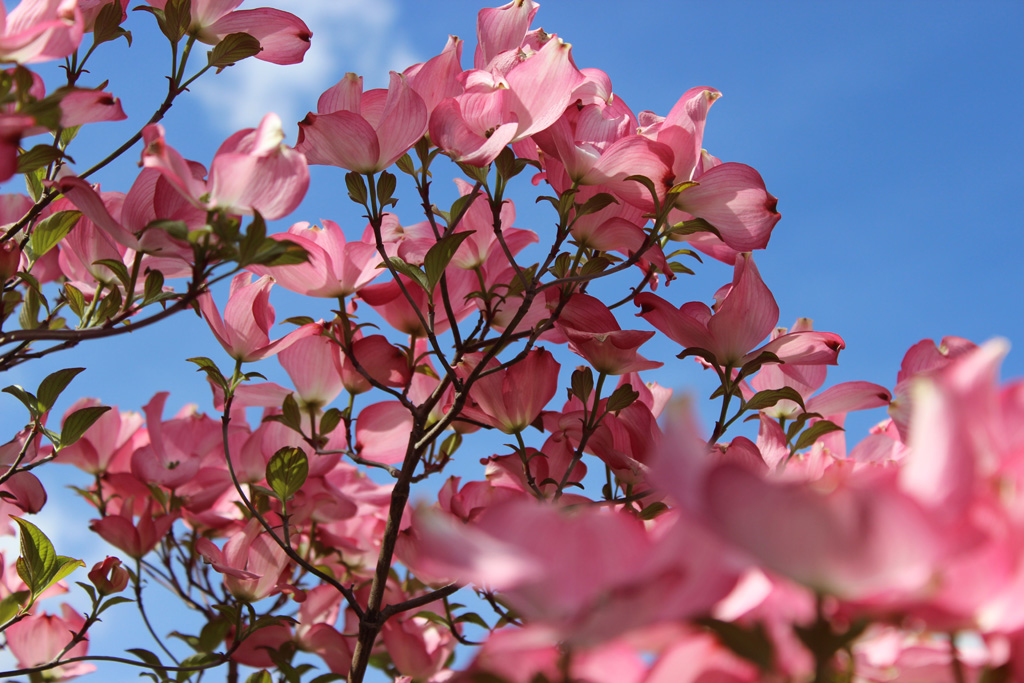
x=890, y=132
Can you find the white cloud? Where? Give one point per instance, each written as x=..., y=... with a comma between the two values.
x=348, y=35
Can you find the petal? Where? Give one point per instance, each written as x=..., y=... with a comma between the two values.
x=542, y=86
x=500, y=29
x=449, y=131
x=683, y=130
x=340, y=138
x=85, y=199
x=732, y=197
x=404, y=121
x=686, y=325
x=282, y=35
x=746, y=315
x=382, y=432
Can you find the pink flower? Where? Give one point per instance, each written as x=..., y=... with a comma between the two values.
x=244, y=332
x=334, y=267
x=590, y=574
x=251, y=171
x=136, y=540
x=745, y=312
x=252, y=563
x=437, y=78
x=109, y=576
x=39, y=638
x=379, y=359
x=282, y=35
x=526, y=94
x=512, y=398
x=312, y=364
x=363, y=132
x=112, y=438
x=40, y=30
x=594, y=333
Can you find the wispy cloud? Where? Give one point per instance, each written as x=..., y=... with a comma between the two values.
x=348, y=35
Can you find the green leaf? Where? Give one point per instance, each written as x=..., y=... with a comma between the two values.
x=653, y=510
x=146, y=656
x=90, y=590
x=34, y=183
x=118, y=269
x=290, y=413
x=262, y=676
x=459, y=208
x=234, y=47
x=680, y=231
x=814, y=432
x=472, y=618
x=621, y=398
x=39, y=565
x=255, y=234
x=432, y=617
x=677, y=267
x=769, y=397
x=112, y=601
x=212, y=371
x=451, y=444
x=599, y=201
x=299, y=320
x=386, y=185
x=440, y=255
x=28, y=316
x=475, y=173
x=330, y=420
x=410, y=271
x=798, y=424
x=12, y=605
x=752, y=643
x=51, y=230
x=505, y=164
x=177, y=18
x=79, y=422
x=649, y=184
x=327, y=678
x=176, y=229
x=582, y=383
x=27, y=399
x=110, y=305
x=561, y=265
x=65, y=565
x=53, y=385
x=405, y=165
x=154, y=288
x=200, y=659
x=38, y=157
x=287, y=471
x=279, y=253
x=679, y=187
x=107, y=26
x=213, y=634
x=68, y=135
x=596, y=265
x=356, y=188
x=76, y=302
